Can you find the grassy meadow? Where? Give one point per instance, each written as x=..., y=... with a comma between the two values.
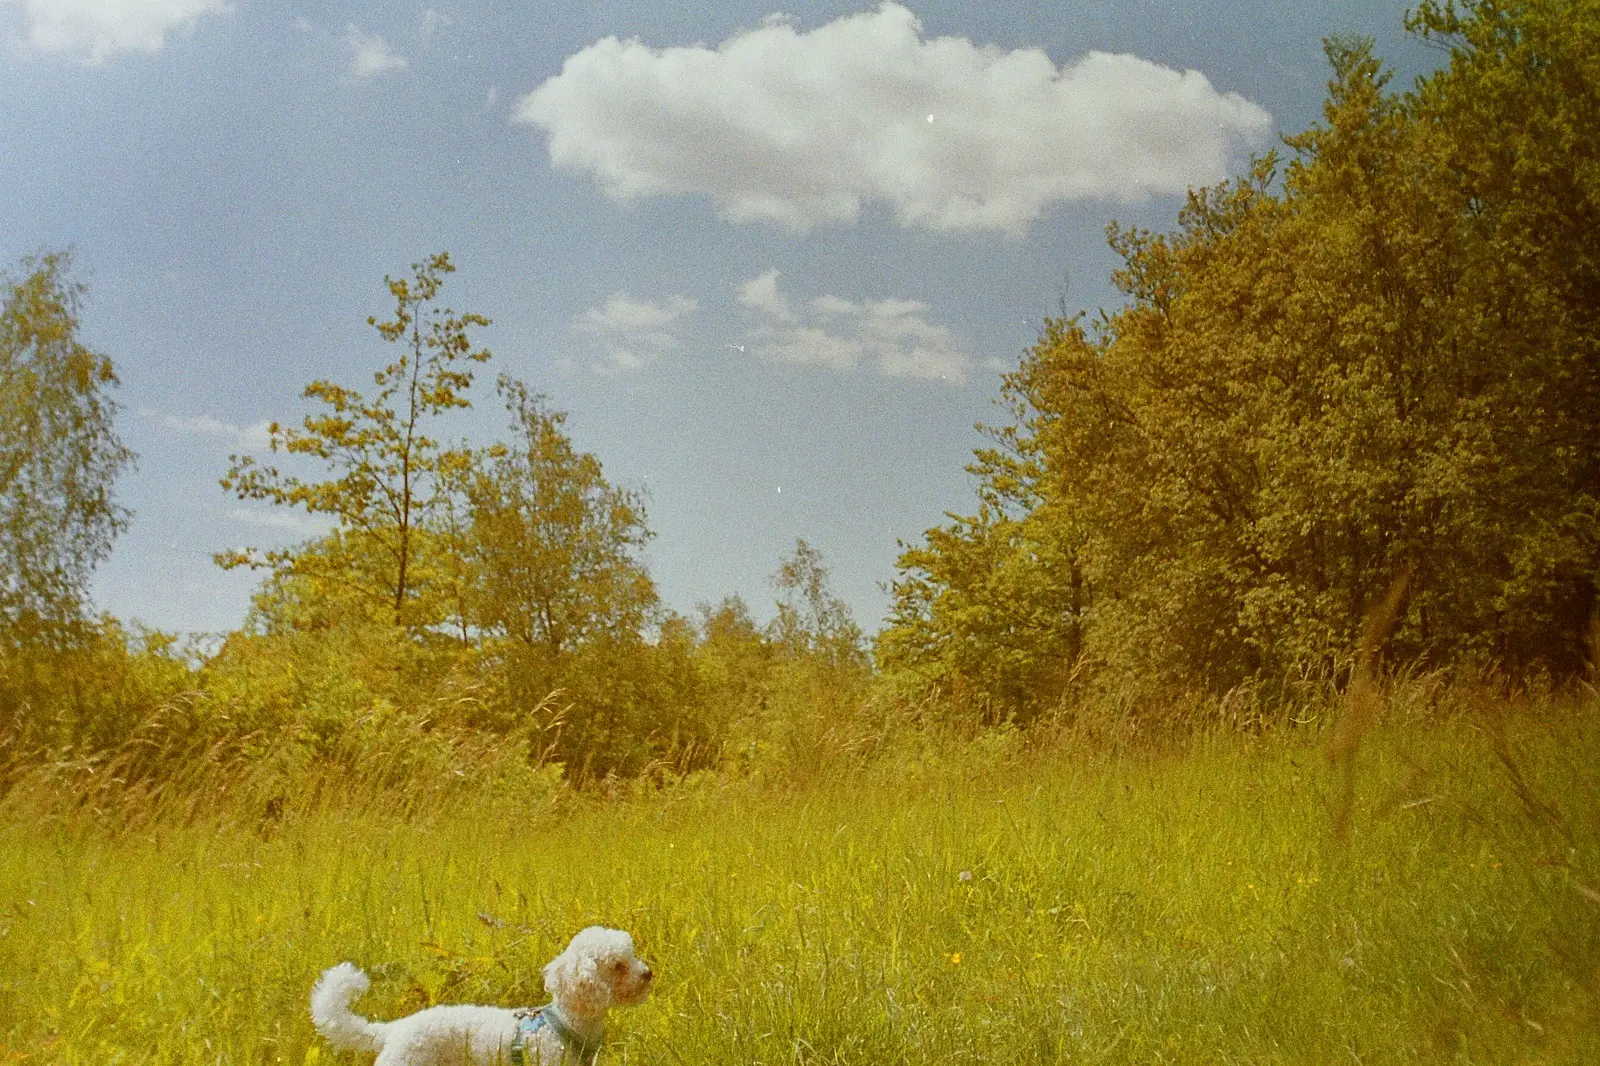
x=1004, y=898
x=1328, y=473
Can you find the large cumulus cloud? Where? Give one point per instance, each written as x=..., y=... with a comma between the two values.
x=802, y=128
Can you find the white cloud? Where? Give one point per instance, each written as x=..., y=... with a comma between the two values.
x=370, y=55
x=256, y=437
x=633, y=332
x=895, y=336
x=291, y=521
x=828, y=305
x=98, y=29
x=433, y=22
x=762, y=294
x=803, y=128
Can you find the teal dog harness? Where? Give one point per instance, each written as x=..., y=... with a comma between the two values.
x=533, y=1019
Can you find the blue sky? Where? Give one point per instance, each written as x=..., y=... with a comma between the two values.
x=771, y=263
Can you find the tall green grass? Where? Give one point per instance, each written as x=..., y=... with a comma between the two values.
x=1006, y=899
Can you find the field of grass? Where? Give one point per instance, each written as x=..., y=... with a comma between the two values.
x=992, y=902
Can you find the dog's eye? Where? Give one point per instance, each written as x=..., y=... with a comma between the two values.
x=618, y=967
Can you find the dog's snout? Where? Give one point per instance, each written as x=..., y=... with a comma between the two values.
x=647, y=975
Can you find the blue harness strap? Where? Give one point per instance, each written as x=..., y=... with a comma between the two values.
x=533, y=1019
x=528, y=1023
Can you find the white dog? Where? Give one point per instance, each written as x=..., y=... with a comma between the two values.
x=597, y=971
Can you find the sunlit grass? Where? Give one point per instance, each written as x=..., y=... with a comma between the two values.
x=986, y=904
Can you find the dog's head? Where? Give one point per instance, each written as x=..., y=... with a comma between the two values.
x=598, y=970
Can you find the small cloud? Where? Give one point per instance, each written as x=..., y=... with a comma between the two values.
x=762, y=294
x=808, y=346
x=371, y=55
x=832, y=305
x=635, y=333
x=289, y=521
x=895, y=336
x=491, y=98
x=433, y=22
x=256, y=437
x=99, y=29
x=303, y=24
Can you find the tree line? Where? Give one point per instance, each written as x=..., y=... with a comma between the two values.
x=481, y=592
x=1371, y=362
x=1365, y=371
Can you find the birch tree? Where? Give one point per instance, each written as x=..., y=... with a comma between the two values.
x=387, y=473
x=59, y=454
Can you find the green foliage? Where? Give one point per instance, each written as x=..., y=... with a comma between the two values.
x=552, y=547
x=528, y=620
x=785, y=701
x=108, y=688
x=1381, y=358
x=523, y=611
x=811, y=620
x=560, y=604
x=59, y=456
x=68, y=683
x=795, y=699
x=734, y=655
x=390, y=476
x=613, y=708
x=326, y=583
x=988, y=612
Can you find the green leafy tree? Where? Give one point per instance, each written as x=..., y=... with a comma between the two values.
x=1377, y=359
x=59, y=455
x=811, y=620
x=329, y=585
x=988, y=609
x=1517, y=121
x=389, y=476
x=734, y=653
x=562, y=602
x=553, y=546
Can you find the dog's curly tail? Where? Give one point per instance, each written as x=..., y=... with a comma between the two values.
x=330, y=1010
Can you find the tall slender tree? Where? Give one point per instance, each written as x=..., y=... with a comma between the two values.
x=59, y=454
x=811, y=619
x=388, y=473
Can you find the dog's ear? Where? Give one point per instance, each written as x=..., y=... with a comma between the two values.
x=575, y=982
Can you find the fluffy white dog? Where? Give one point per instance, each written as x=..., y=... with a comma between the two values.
x=597, y=971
